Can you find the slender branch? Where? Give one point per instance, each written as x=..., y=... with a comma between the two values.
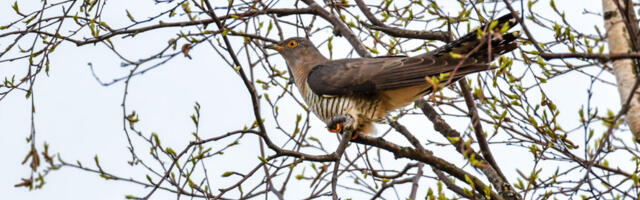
x=605, y=57
x=524, y=26
x=341, y=147
x=397, y=32
x=341, y=28
x=452, y=186
x=279, y=12
x=405, y=132
x=416, y=179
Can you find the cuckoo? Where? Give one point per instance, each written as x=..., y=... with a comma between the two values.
x=352, y=94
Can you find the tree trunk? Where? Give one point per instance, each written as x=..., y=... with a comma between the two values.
x=624, y=69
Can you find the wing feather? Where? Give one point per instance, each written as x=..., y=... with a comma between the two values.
x=370, y=76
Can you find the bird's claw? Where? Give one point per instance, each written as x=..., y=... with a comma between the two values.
x=341, y=123
x=335, y=128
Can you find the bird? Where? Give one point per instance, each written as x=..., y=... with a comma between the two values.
x=354, y=93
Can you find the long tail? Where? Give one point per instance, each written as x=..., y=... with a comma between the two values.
x=501, y=41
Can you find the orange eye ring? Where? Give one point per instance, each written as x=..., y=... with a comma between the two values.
x=292, y=44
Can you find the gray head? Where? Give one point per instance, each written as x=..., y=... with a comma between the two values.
x=298, y=52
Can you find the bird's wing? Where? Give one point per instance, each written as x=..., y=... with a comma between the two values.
x=369, y=76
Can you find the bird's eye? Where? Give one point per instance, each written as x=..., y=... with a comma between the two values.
x=292, y=44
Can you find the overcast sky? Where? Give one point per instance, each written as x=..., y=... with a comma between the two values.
x=80, y=118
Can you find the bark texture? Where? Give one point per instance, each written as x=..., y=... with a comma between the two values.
x=624, y=69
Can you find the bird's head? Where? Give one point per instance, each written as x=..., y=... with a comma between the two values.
x=301, y=55
x=298, y=52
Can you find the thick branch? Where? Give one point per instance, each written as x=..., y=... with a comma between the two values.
x=443, y=128
x=477, y=127
x=427, y=157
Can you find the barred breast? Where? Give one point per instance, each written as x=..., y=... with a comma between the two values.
x=326, y=107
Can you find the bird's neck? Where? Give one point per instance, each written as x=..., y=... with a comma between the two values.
x=301, y=67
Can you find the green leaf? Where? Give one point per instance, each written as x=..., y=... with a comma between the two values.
x=269, y=27
x=455, y=55
x=530, y=3
x=479, y=33
x=542, y=80
x=128, y=196
x=453, y=140
x=541, y=62
x=234, y=143
x=105, y=176
x=155, y=138
x=487, y=192
x=171, y=151
x=30, y=19
x=314, y=139
x=103, y=24
x=149, y=179
x=15, y=7
x=46, y=67
x=505, y=28
x=264, y=160
x=513, y=96
x=469, y=181
x=194, y=119
x=227, y=174
x=373, y=50
x=130, y=16
x=493, y=25
x=92, y=26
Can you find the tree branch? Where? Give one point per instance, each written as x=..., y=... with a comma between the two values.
x=397, y=32
x=416, y=179
x=605, y=57
x=341, y=28
x=427, y=157
x=443, y=128
x=346, y=136
x=477, y=127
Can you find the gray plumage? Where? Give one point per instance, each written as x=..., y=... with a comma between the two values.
x=366, y=89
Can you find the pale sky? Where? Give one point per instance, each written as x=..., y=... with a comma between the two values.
x=80, y=118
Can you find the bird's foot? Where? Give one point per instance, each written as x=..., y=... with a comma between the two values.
x=341, y=123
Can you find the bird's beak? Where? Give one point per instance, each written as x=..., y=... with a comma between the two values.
x=274, y=47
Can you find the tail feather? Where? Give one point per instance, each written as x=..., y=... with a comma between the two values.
x=501, y=44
